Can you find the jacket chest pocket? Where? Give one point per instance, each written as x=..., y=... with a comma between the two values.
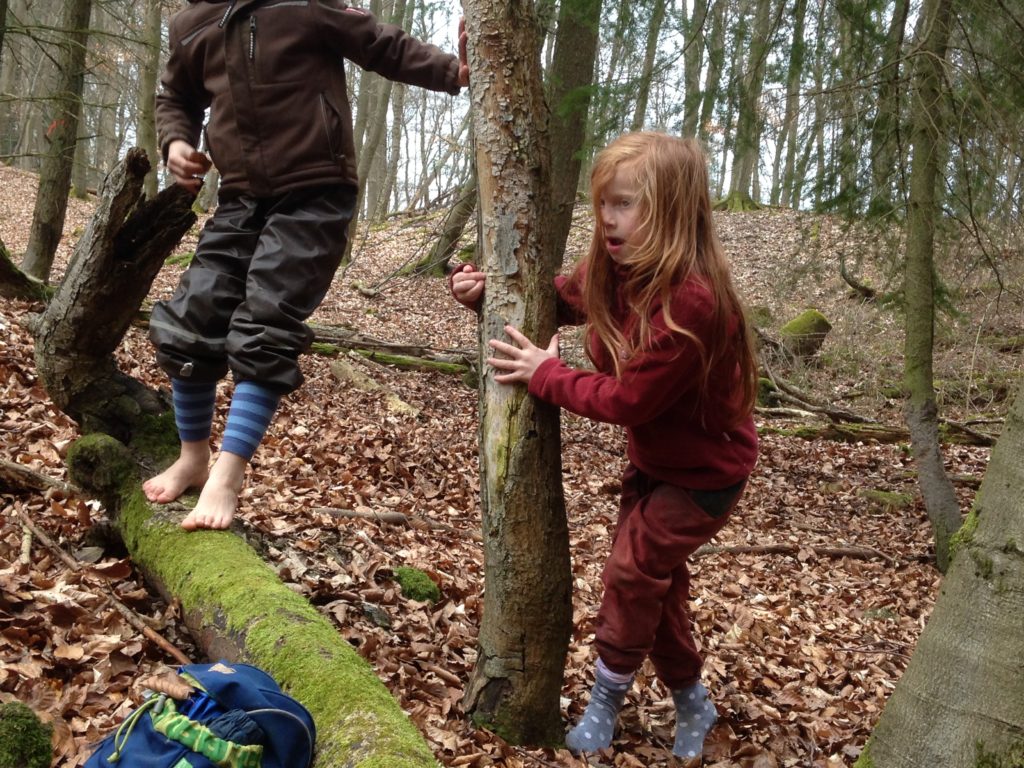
x=276, y=42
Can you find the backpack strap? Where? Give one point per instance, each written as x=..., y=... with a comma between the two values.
x=200, y=739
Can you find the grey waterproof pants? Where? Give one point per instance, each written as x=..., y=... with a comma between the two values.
x=261, y=267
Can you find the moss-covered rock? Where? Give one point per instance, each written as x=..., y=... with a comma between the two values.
x=24, y=739
x=804, y=334
x=416, y=585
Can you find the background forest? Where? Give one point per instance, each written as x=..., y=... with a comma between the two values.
x=867, y=156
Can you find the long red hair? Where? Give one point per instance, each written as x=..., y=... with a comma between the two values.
x=678, y=243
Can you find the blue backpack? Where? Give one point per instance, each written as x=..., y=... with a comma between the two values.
x=235, y=716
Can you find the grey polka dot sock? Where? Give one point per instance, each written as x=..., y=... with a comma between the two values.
x=695, y=715
x=595, y=729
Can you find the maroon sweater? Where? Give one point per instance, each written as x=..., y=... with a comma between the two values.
x=672, y=435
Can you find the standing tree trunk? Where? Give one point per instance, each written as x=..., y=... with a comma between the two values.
x=693, y=65
x=55, y=174
x=571, y=81
x=716, y=63
x=3, y=28
x=921, y=411
x=643, y=86
x=436, y=261
x=147, y=96
x=524, y=635
x=782, y=181
x=885, y=129
x=748, y=120
x=961, y=700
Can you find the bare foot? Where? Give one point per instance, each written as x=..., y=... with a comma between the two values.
x=219, y=497
x=189, y=471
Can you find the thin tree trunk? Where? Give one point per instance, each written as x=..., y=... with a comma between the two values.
x=693, y=64
x=527, y=618
x=571, y=80
x=146, y=126
x=716, y=62
x=782, y=182
x=885, y=130
x=748, y=123
x=436, y=262
x=921, y=410
x=643, y=89
x=55, y=174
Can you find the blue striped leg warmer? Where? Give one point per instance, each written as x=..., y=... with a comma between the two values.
x=252, y=409
x=193, y=408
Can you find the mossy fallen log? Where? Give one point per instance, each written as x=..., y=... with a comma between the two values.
x=239, y=610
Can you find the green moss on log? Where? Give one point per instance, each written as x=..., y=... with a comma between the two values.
x=325, y=350
x=407, y=361
x=417, y=585
x=156, y=439
x=102, y=464
x=767, y=393
x=24, y=739
x=216, y=576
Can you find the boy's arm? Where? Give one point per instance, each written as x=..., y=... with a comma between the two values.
x=181, y=102
x=391, y=51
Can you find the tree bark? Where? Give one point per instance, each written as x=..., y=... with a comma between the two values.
x=15, y=284
x=111, y=271
x=964, y=679
x=150, y=65
x=693, y=65
x=436, y=261
x=571, y=80
x=527, y=618
x=782, y=181
x=921, y=410
x=885, y=129
x=55, y=174
x=643, y=86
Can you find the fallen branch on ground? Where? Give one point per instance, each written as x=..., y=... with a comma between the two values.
x=17, y=477
x=130, y=616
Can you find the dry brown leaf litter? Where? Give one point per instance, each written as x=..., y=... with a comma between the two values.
x=802, y=651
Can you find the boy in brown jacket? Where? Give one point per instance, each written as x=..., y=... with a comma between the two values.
x=271, y=73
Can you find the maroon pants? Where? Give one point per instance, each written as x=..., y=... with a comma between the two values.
x=644, y=610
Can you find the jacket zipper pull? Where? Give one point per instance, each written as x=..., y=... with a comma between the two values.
x=224, y=18
x=252, y=38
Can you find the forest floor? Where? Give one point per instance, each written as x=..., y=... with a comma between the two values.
x=802, y=649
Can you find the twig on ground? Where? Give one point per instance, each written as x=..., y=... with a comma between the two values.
x=130, y=616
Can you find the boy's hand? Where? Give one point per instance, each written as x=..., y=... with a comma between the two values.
x=523, y=360
x=186, y=165
x=463, y=58
x=468, y=285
